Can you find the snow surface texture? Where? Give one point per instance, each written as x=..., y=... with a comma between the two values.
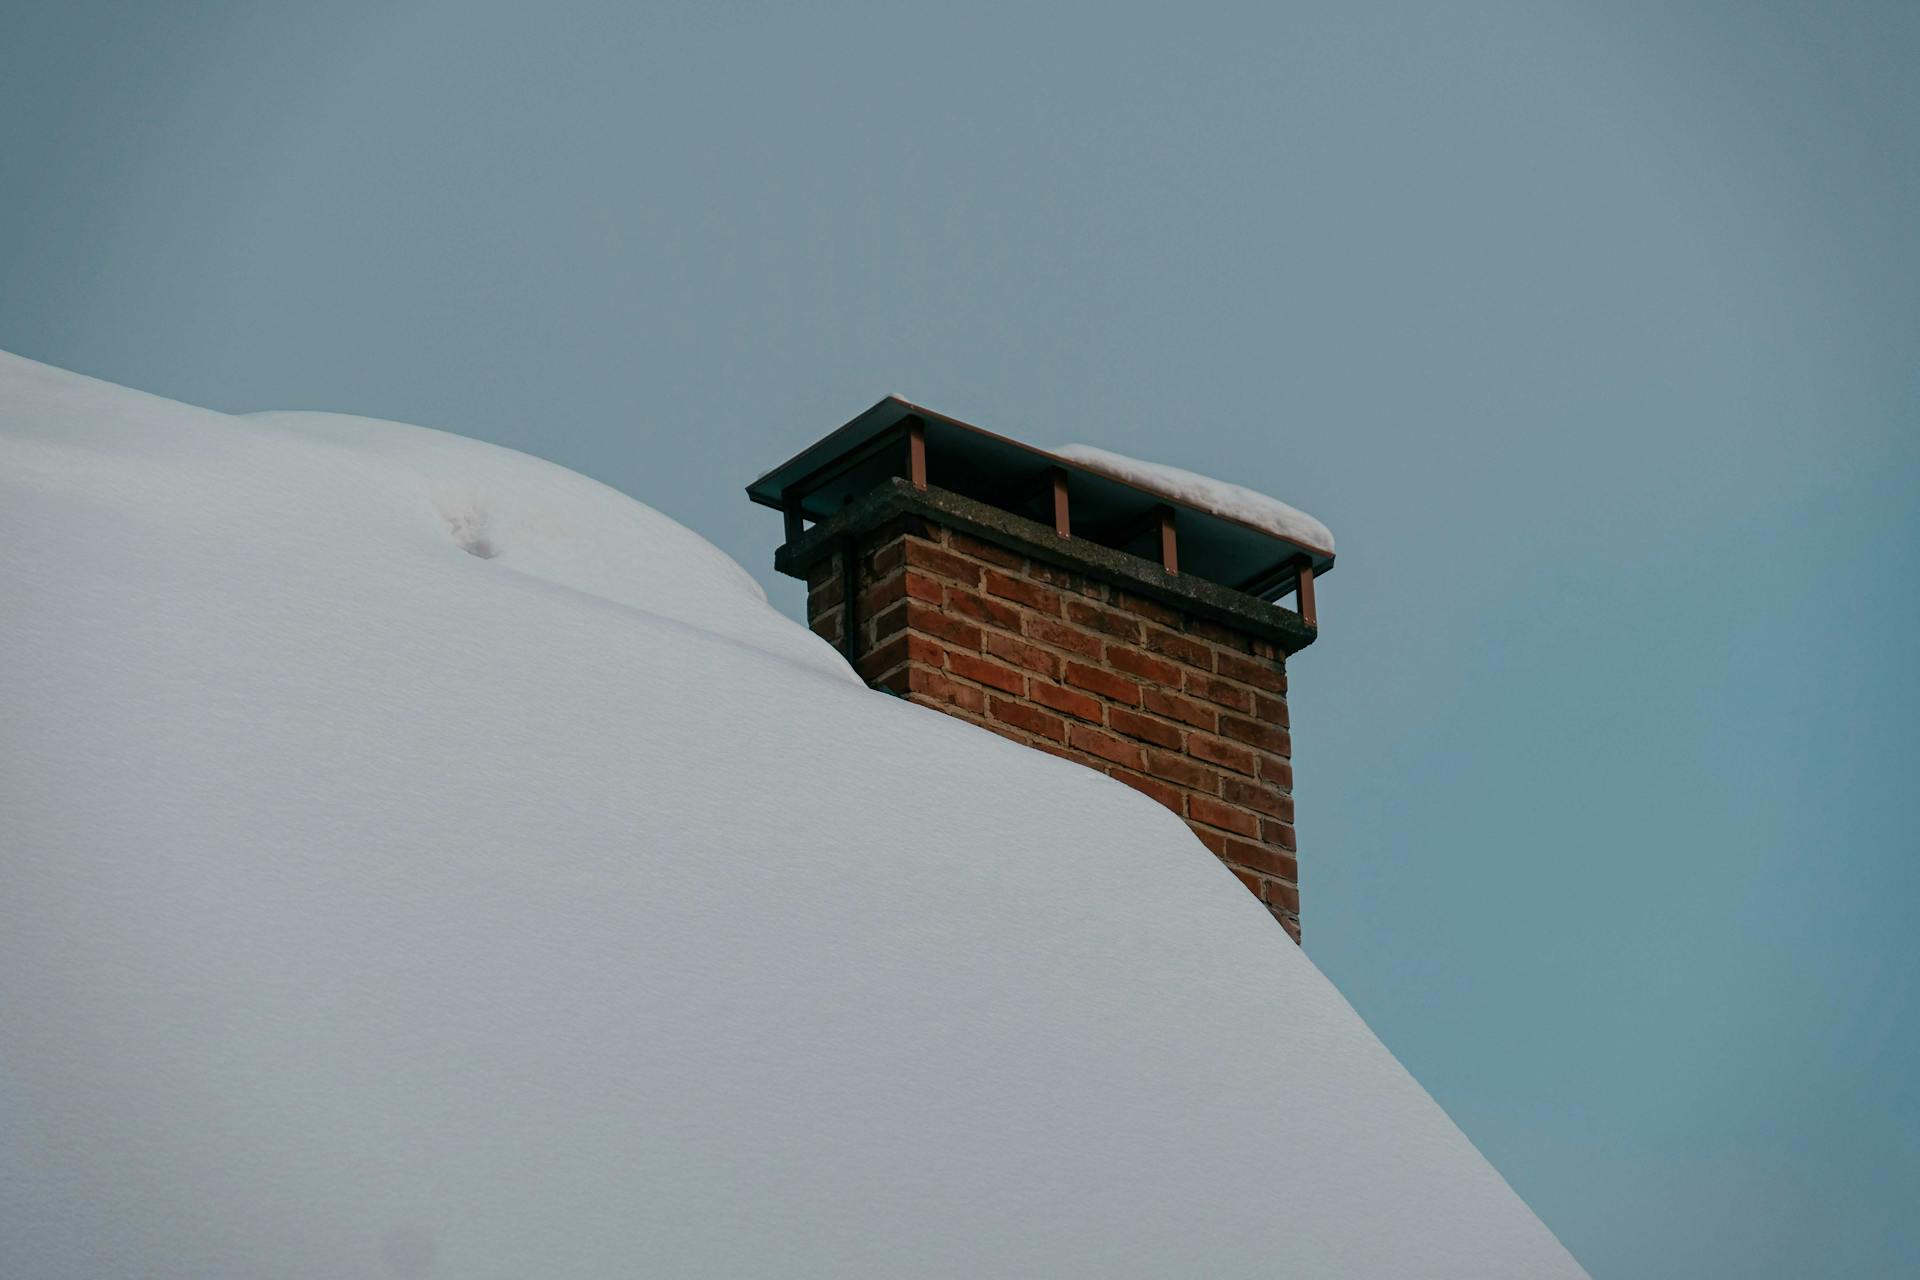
x=423, y=861
x=1222, y=499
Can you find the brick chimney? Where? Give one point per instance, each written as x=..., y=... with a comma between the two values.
x=1066, y=608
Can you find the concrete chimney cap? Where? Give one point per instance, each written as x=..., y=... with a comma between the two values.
x=1249, y=555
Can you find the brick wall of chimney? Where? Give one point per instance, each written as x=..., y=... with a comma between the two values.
x=1186, y=711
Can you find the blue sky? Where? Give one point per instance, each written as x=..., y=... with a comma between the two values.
x=1593, y=332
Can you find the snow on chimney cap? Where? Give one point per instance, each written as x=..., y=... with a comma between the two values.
x=1214, y=531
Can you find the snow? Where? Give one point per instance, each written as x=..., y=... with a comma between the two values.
x=1217, y=496
x=422, y=860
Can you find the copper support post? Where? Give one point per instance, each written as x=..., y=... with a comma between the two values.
x=1061, y=524
x=1169, y=551
x=1306, y=594
x=917, y=453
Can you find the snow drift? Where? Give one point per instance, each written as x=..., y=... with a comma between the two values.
x=422, y=860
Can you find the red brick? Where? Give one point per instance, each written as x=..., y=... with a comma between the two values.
x=1180, y=648
x=1102, y=682
x=1175, y=767
x=994, y=613
x=926, y=649
x=884, y=658
x=1291, y=924
x=967, y=544
x=889, y=620
x=879, y=595
x=1225, y=754
x=1255, y=795
x=924, y=555
x=1145, y=728
x=1071, y=701
x=1264, y=736
x=1214, y=840
x=1210, y=811
x=1060, y=650
x=1262, y=858
x=921, y=587
x=827, y=594
x=1024, y=590
x=1254, y=671
x=924, y=617
x=936, y=689
x=1062, y=636
x=981, y=671
x=820, y=572
x=1031, y=719
x=1150, y=787
x=1099, y=619
x=1214, y=689
x=1175, y=707
x=1147, y=608
x=827, y=626
x=1104, y=745
x=1144, y=665
x=1022, y=654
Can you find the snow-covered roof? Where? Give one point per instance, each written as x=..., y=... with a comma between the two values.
x=421, y=859
x=1230, y=501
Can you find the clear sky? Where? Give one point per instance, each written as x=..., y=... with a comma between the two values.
x=1593, y=331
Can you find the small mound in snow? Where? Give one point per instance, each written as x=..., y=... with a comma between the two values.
x=551, y=525
x=468, y=525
